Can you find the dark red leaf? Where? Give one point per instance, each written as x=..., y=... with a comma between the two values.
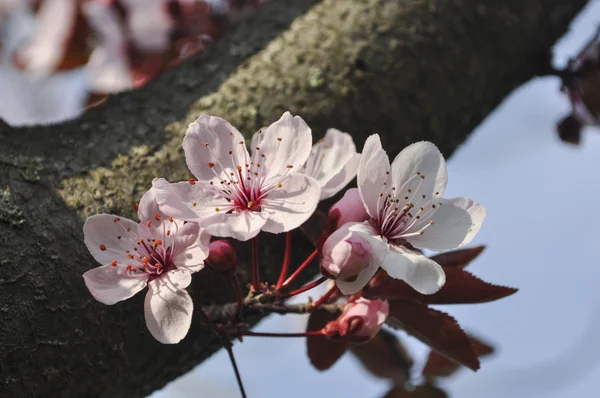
x=439, y=366
x=458, y=258
x=384, y=356
x=424, y=391
x=323, y=352
x=461, y=287
x=436, y=329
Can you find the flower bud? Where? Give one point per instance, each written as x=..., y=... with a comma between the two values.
x=222, y=257
x=345, y=254
x=361, y=320
x=349, y=208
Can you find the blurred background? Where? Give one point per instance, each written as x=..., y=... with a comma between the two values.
x=542, y=235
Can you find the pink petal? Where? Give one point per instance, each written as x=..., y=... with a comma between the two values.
x=149, y=24
x=286, y=145
x=418, y=160
x=456, y=222
x=421, y=273
x=168, y=307
x=191, y=247
x=372, y=173
x=188, y=202
x=242, y=226
x=108, y=237
x=291, y=205
x=350, y=208
x=221, y=138
x=109, y=284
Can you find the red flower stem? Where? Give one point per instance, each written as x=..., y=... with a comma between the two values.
x=261, y=334
x=304, y=288
x=325, y=297
x=301, y=268
x=255, y=274
x=228, y=346
x=238, y=295
x=286, y=260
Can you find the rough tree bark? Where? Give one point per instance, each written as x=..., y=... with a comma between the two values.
x=407, y=69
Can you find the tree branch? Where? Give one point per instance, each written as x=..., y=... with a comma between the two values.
x=409, y=70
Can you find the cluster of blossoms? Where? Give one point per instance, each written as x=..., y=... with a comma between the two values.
x=581, y=82
x=119, y=44
x=369, y=249
x=275, y=187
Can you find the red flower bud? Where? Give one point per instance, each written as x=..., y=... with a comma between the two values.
x=222, y=257
x=360, y=322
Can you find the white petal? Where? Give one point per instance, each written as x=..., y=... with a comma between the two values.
x=108, y=237
x=109, y=284
x=168, y=307
x=238, y=225
x=291, y=205
x=425, y=159
x=421, y=273
x=341, y=179
x=149, y=24
x=372, y=173
x=287, y=142
x=456, y=222
x=361, y=280
x=329, y=162
x=188, y=202
x=191, y=247
x=221, y=138
x=54, y=23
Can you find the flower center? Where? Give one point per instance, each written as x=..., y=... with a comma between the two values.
x=246, y=182
x=404, y=211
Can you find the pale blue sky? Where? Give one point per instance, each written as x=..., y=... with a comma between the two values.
x=543, y=236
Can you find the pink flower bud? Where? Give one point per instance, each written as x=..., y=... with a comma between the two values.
x=361, y=320
x=222, y=257
x=345, y=254
x=349, y=208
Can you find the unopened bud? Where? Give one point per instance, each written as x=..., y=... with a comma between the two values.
x=222, y=257
x=361, y=320
x=345, y=254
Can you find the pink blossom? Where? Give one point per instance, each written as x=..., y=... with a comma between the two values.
x=333, y=162
x=406, y=211
x=159, y=252
x=345, y=254
x=237, y=194
x=361, y=320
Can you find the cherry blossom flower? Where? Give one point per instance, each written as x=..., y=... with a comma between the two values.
x=360, y=321
x=406, y=211
x=333, y=162
x=237, y=194
x=159, y=252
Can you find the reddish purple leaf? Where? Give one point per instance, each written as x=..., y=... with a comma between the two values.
x=384, y=356
x=424, y=391
x=439, y=366
x=458, y=258
x=461, y=287
x=436, y=329
x=323, y=352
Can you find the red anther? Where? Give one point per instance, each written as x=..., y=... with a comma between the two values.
x=140, y=240
x=211, y=164
x=136, y=206
x=158, y=242
x=129, y=268
x=156, y=217
x=149, y=223
x=130, y=256
x=169, y=233
x=102, y=247
x=170, y=218
x=117, y=219
x=114, y=263
x=145, y=259
x=193, y=180
x=289, y=166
